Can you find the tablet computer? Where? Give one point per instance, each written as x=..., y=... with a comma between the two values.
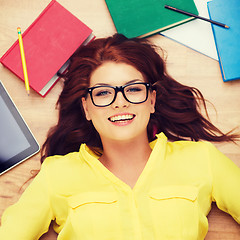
x=17, y=142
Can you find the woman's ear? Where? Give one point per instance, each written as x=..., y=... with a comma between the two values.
x=153, y=101
x=85, y=108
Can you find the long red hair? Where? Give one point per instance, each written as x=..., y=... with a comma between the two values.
x=177, y=110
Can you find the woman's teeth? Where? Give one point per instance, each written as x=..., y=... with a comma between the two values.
x=121, y=117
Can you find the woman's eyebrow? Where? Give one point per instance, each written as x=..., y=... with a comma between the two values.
x=101, y=84
x=134, y=81
x=128, y=82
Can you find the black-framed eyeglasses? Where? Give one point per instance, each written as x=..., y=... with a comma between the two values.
x=103, y=96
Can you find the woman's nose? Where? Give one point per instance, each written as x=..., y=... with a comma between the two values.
x=120, y=101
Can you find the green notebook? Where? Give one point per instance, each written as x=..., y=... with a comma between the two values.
x=141, y=18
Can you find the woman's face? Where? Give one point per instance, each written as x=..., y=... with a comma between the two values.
x=121, y=120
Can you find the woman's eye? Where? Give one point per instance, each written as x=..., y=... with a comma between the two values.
x=103, y=93
x=134, y=89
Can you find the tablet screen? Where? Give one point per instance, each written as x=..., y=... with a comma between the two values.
x=17, y=143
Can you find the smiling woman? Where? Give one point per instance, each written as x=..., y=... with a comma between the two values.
x=130, y=146
x=119, y=97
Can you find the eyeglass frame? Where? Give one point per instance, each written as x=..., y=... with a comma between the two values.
x=120, y=89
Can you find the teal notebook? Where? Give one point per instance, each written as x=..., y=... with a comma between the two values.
x=227, y=40
x=141, y=18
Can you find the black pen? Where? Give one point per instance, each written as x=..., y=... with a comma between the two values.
x=196, y=16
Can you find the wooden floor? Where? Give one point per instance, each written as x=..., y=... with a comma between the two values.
x=185, y=65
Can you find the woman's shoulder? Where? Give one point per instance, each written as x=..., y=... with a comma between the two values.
x=64, y=170
x=185, y=145
x=182, y=145
x=62, y=162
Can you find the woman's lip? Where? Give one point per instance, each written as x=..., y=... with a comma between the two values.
x=122, y=122
x=123, y=117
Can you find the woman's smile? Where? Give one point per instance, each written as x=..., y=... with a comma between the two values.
x=122, y=119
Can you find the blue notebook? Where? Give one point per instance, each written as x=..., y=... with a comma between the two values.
x=227, y=40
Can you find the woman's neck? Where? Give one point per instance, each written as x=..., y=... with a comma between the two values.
x=126, y=160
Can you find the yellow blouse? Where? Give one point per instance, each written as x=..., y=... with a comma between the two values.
x=170, y=200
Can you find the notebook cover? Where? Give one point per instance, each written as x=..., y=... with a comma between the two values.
x=48, y=43
x=196, y=34
x=141, y=18
x=227, y=40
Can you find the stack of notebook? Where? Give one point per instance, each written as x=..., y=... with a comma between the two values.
x=142, y=18
x=48, y=44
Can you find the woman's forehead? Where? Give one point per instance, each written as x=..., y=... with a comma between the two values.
x=111, y=73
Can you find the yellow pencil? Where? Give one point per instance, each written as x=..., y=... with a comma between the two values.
x=24, y=65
